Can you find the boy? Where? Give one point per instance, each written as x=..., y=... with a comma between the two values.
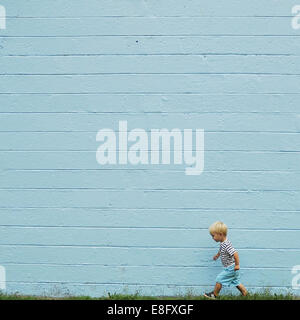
x=230, y=260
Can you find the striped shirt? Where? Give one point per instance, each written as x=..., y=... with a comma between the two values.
x=226, y=252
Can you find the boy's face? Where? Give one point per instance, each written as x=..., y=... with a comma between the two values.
x=218, y=237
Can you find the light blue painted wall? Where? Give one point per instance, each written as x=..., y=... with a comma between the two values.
x=70, y=68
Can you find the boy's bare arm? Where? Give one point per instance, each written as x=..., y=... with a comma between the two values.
x=237, y=261
x=217, y=256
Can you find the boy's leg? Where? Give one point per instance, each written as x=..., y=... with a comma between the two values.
x=242, y=289
x=217, y=289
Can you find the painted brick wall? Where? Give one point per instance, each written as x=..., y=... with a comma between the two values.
x=70, y=68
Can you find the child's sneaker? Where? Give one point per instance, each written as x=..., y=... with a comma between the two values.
x=210, y=295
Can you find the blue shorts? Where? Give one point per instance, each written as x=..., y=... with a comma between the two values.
x=229, y=277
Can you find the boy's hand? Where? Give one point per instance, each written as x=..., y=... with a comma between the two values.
x=237, y=267
x=216, y=257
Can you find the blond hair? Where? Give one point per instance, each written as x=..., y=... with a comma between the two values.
x=218, y=227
